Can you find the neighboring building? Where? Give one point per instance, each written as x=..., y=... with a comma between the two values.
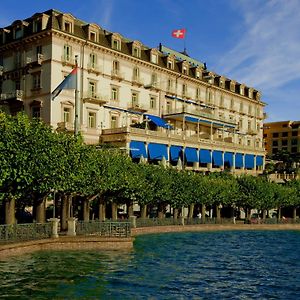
x=283, y=135
x=157, y=103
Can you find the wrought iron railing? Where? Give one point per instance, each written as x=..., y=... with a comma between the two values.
x=157, y=222
x=24, y=232
x=106, y=229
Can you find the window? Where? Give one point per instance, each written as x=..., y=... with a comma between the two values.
x=18, y=84
x=39, y=50
x=169, y=107
x=222, y=101
x=197, y=96
x=154, y=79
x=92, y=120
x=93, y=60
x=209, y=97
x=93, y=36
x=113, y=121
x=36, y=83
x=285, y=134
x=250, y=110
x=134, y=99
x=116, y=44
x=249, y=125
x=275, y=143
x=184, y=70
x=294, y=133
x=92, y=89
x=18, y=33
x=67, y=114
x=135, y=74
x=294, y=142
x=265, y=135
x=68, y=27
x=37, y=26
x=248, y=142
x=114, y=94
x=36, y=112
x=116, y=67
x=240, y=124
x=184, y=89
x=241, y=107
x=67, y=53
x=170, y=85
x=152, y=102
x=284, y=149
x=136, y=52
x=154, y=58
x=274, y=150
x=170, y=64
x=294, y=149
x=275, y=135
x=284, y=142
x=197, y=74
x=231, y=104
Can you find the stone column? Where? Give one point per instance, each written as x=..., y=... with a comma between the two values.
x=54, y=227
x=71, y=227
x=133, y=221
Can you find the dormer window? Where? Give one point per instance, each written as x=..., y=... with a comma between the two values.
x=198, y=74
x=68, y=27
x=184, y=70
x=93, y=36
x=37, y=25
x=154, y=58
x=18, y=32
x=136, y=51
x=116, y=44
x=170, y=64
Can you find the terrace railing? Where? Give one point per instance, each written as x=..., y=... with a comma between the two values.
x=24, y=232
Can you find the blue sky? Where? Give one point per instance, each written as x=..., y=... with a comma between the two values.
x=256, y=42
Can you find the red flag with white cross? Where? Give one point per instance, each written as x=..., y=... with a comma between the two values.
x=179, y=33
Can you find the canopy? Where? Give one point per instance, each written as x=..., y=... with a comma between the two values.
x=175, y=152
x=218, y=158
x=239, y=160
x=205, y=156
x=137, y=149
x=191, y=154
x=259, y=160
x=158, y=121
x=249, y=161
x=157, y=151
x=228, y=158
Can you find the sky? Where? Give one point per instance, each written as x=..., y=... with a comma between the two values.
x=255, y=42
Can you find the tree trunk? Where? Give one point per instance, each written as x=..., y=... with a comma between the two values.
x=10, y=212
x=64, y=212
x=102, y=210
x=161, y=211
x=191, y=211
x=203, y=213
x=294, y=214
x=264, y=214
x=40, y=210
x=144, y=211
x=218, y=212
x=129, y=209
x=175, y=213
x=86, y=210
x=114, y=211
x=279, y=214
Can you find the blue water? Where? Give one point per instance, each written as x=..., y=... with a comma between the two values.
x=206, y=265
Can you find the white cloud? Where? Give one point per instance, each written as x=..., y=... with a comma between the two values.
x=267, y=55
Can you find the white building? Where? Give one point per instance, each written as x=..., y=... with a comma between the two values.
x=156, y=102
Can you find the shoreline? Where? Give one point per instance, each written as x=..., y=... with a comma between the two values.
x=212, y=227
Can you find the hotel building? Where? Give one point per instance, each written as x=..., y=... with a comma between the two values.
x=158, y=104
x=283, y=135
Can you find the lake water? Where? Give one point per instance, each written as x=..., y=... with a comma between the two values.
x=203, y=265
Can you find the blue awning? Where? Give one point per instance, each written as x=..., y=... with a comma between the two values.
x=218, y=158
x=259, y=160
x=249, y=161
x=191, y=154
x=175, y=152
x=205, y=156
x=239, y=160
x=157, y=151
x=196, y=120
x=158, y=121
x=228, y=158
x=137, y=149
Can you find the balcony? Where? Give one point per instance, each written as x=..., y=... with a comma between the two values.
x=252, y=132
x=136, y=107
x=36, y=61
x=65, y=126
x=117, y=75
x=17, y=95
x=94, y=68
x=95, y=98
x=171, y=91
x=137, y=81
x=67, y=60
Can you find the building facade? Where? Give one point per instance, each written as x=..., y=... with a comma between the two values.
x=158, y=104
x=282, y=136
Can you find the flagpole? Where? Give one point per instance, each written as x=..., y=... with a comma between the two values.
x=76, y=121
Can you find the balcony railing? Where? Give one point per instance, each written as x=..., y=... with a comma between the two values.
x=65, y=126
x=136, y=107
x=117, y=75
x=37, y=60
x=15, y=95
x=91, y=67
x=95, y=98
x=67, y=60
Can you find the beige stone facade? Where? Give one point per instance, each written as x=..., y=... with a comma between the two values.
x=156, y=103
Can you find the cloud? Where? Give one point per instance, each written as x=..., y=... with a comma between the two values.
x=267, y=54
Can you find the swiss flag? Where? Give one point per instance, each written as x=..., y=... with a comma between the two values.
x=179, y=33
